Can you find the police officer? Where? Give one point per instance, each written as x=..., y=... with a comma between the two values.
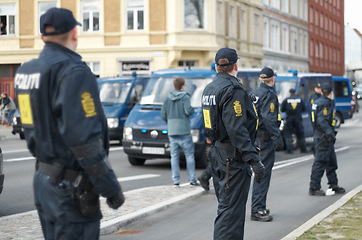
x=230, y=122
x=268, y=139
x=324, y=139
x=66, y=131
x=316, y=94
x=293, y=106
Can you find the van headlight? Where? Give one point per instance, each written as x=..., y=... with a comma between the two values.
x=112, y=122
x=195, y=133
x=127, y=134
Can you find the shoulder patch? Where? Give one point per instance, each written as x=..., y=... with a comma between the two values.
x=237, y=108
x=272, y=107
x=88, y=105
x=325, y=111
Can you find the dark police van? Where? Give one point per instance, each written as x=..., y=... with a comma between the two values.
x=145, y=133
x=118, y=96
x=343, y=96
x=304, y=84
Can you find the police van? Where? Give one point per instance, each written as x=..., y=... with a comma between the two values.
x=343, y=95
x=2, y=176
x=145, y=133
x=304, y=84
x=118, y=96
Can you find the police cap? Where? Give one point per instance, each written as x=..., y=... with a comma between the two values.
x=228, y=53
x=267, y=73
x=326, y=88
x=60, y=18
x=292, y=90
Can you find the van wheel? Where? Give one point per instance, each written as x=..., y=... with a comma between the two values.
x=339, y=120
x=136, y=161
x=203, y=161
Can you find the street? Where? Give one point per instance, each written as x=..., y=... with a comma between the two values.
x=288, y=197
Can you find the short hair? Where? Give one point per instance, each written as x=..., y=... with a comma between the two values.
x=178, y=83
x=266, y=80
x=63, y=37
x=226, y=68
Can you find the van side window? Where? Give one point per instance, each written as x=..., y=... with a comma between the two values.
x=341, y=89
x=301, y=91
x=253, y=83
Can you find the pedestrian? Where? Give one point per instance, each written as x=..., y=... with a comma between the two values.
x=268, y=139
x=294, y=106
x=316, y=94
x=324, y=139
x=176, y=111
x=8, y=104
x=66, y=131
x=230, y=122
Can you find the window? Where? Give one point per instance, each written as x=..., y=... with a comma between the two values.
x=266, y=33
x=256, y=28
x=186, y=63
x=231, y=25
x=194, y=17
x=90, y=15
x=285, y=6
x=135, y=14
x=285, y=39
x=44, y=6
x=242, y=25
x=7, y=19
x=219, y=18
x=95, y=68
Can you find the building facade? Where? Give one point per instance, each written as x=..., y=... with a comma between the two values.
x=118, y=37
x=285, y=35
x=326, y=36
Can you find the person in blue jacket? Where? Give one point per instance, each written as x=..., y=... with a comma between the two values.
x=324, y=139
x=66, y=131
x=176, y=111
x=268, y=139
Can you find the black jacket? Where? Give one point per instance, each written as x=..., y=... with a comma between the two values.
x=267, y=105
x=293, y=106
x=62, y=115
x=323, y=112
x=229, y=115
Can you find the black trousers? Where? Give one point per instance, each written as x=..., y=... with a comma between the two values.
x=291, y=124
x=231, y=194
x=59, y=217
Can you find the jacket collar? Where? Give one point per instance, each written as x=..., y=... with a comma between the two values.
x=57, y=47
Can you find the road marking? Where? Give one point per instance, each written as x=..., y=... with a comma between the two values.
x=138, y=177
x=285, y=163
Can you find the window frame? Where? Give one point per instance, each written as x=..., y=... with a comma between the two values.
x=7, y=20
x=135, y=11
x=204, y=17
x=91, y=18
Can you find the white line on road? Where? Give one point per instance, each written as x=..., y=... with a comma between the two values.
x=19, y=159
x=138, y=177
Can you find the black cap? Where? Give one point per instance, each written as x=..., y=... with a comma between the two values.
x=318, y=85
x=267, y=73
x=292, y=90
x=60, y=18
x=326, y=88
x=228, y=53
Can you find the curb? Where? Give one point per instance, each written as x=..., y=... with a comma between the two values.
x=115, y=224
x=323, y=214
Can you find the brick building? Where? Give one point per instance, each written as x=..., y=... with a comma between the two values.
x=326, y=36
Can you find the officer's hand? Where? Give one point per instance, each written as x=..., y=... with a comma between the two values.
x=258, y=169
x=116, y=201
x=279, y=147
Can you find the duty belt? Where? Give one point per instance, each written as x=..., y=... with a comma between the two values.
x=229, y=149
x=57, y=171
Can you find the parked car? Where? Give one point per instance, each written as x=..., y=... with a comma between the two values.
x=2, y=176
x=16, y=124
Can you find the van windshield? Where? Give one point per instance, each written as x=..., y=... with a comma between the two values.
x=158, y=89
x=116, y=92
x=282, y=89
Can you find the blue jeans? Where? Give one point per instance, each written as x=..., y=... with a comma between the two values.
x=187, y=146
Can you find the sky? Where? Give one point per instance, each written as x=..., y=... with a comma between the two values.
x=353, y=14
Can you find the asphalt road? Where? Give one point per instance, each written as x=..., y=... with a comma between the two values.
x=288, y=200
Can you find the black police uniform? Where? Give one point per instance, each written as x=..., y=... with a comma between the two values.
x=66, y=131
x=324, y=138
x=268, y=139
x=293, y=106
x=230, y=123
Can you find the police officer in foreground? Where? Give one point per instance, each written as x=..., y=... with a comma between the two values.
x=230, y=123
x=293, y=106
x=324, y=139
x=268, y=140
x=66, y=131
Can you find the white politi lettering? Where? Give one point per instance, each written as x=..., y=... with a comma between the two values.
x=208, y=100
x=27, y=81
x=298, y=100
